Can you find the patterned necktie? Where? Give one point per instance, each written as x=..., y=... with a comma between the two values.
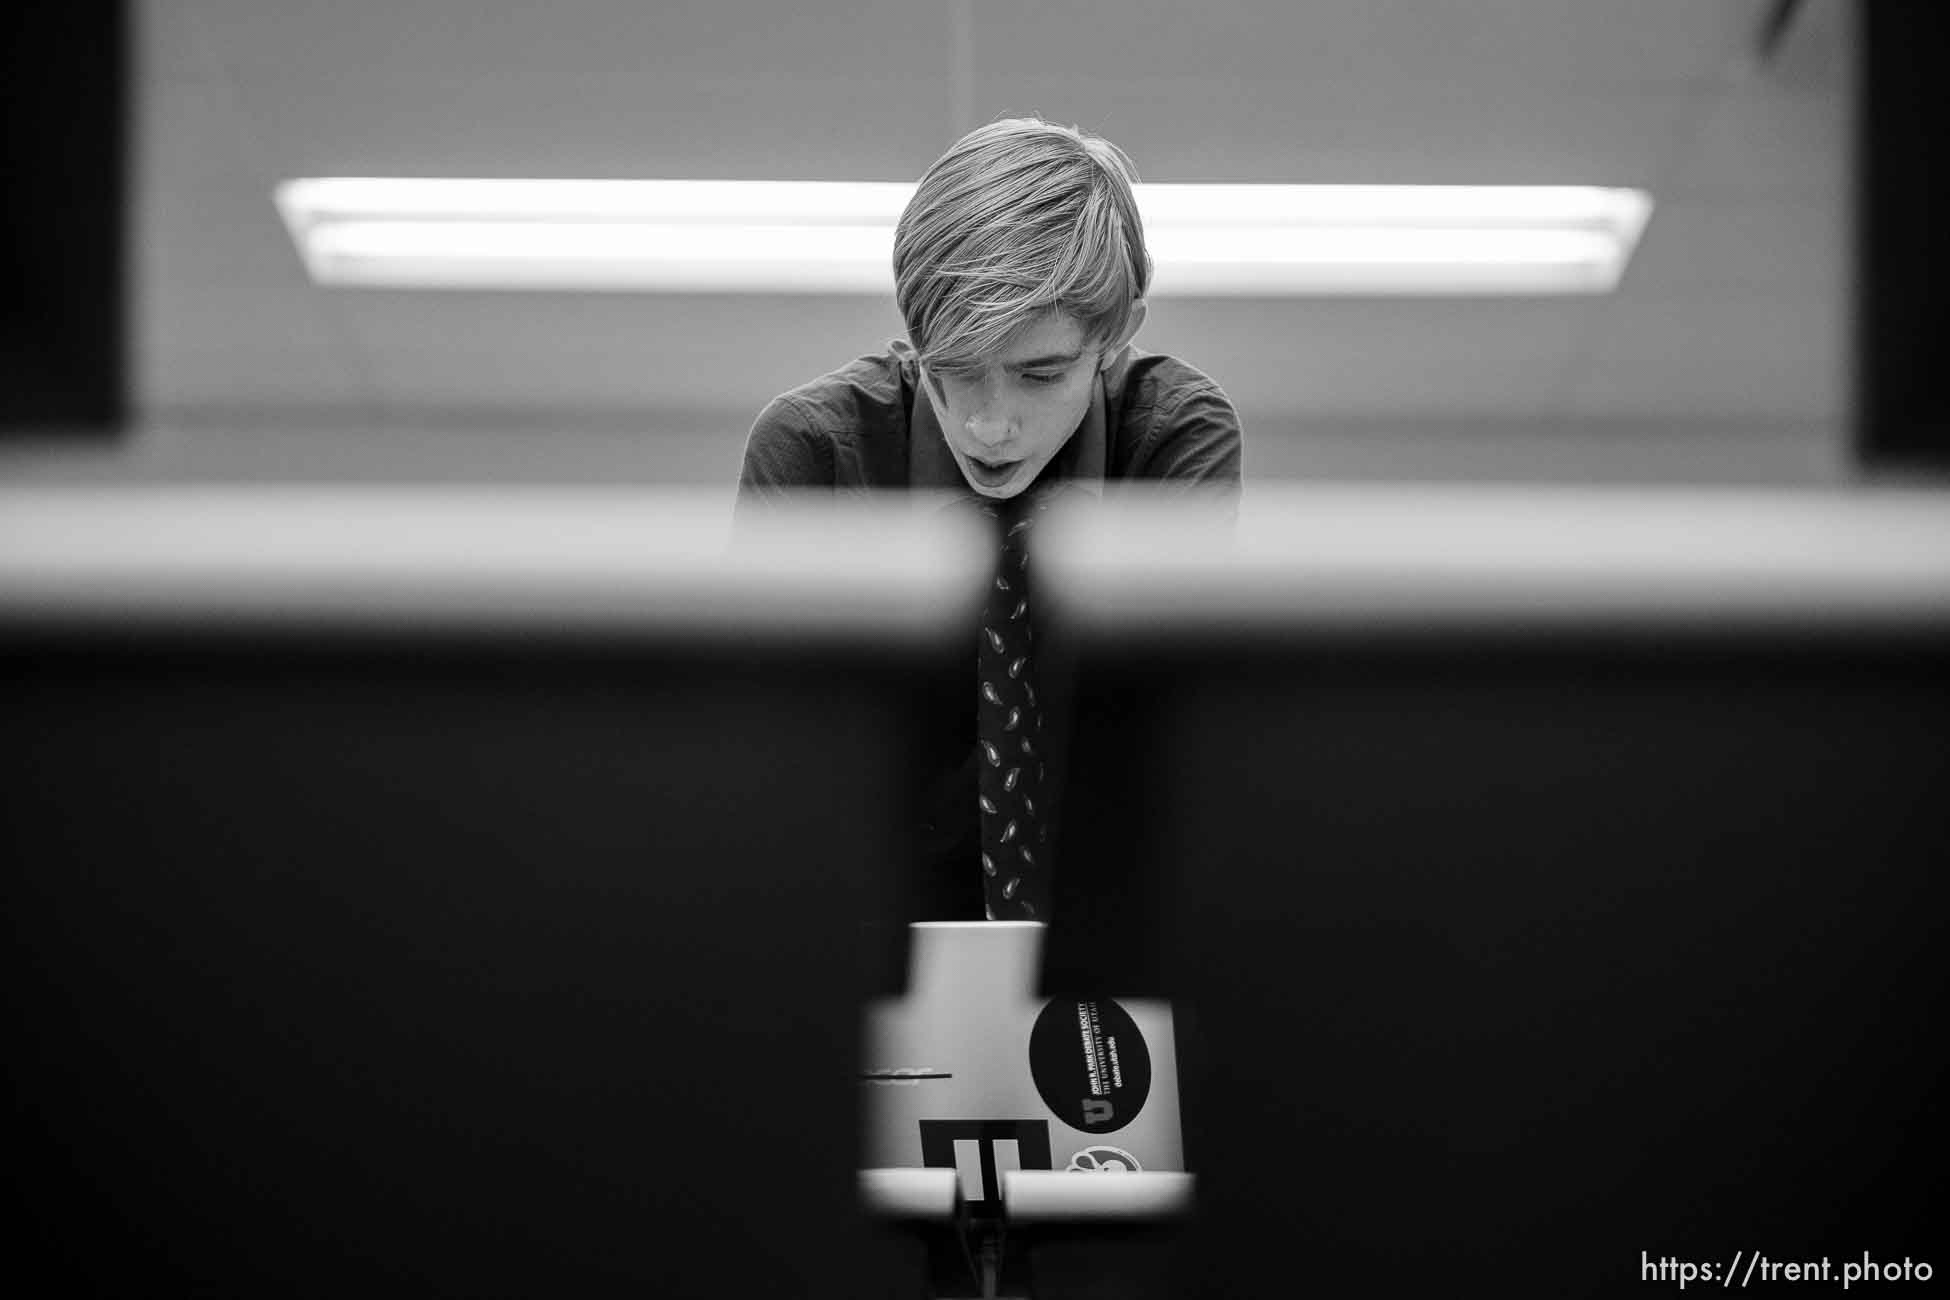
x=1009, y=735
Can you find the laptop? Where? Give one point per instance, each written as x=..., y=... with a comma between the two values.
x=970, y=1070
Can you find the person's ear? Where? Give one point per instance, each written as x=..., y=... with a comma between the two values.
x=1116, y=345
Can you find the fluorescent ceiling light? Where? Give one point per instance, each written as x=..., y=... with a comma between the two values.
x=837, y=237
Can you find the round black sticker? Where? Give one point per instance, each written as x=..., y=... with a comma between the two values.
x=1090, y=1063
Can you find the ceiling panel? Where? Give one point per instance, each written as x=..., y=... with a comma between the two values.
x=1401, y=42
x=605, y=352
x=1743, y=244
x=1733, y=309
x=221, y=311
x=580, y=87
x=1202, y=128
x=1762, y=139
x=1763, y=356
x=1422, y=357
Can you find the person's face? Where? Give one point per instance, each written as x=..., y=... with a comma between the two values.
x=1004, y=422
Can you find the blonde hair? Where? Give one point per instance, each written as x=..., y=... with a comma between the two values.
x=1019, y=218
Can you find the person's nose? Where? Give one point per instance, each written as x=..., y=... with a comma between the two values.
x=991, y=422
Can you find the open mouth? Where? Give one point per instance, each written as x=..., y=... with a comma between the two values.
x=992, y=472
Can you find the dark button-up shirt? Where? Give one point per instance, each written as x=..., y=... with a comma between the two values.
x=868, y=426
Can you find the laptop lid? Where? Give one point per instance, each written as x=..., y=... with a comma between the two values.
x=971, y=1070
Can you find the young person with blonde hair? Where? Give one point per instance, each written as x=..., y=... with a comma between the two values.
x=1021, y=270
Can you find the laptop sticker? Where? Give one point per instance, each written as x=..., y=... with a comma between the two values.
x=1104, y=1160
x=980, y=1151
x=1090, y=1063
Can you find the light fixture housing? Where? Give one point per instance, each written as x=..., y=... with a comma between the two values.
x=688, y=236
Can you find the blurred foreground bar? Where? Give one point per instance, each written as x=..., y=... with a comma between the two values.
x=1334, y=562
x=1541, y=878
x=456, y=893
x=567, y=563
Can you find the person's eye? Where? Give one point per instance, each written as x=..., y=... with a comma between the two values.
x=1043, y=376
